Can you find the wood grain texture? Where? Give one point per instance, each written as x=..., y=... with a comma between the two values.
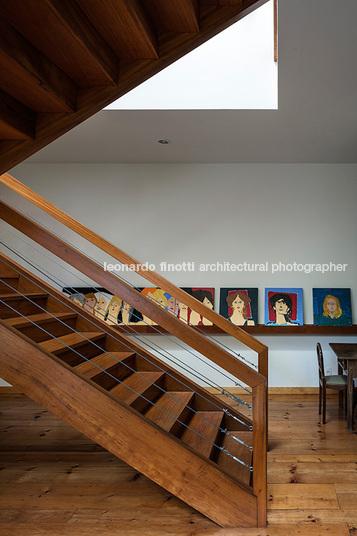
x=30, y=77
x=116, y=341
x=124, y=432
x=143, y=510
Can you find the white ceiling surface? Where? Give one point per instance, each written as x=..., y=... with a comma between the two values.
x=316, y=120
x=235, y=69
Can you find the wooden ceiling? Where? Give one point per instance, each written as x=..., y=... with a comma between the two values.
x=62, y=61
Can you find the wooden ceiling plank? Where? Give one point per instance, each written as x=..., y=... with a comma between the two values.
x=125, y=25
x=30, y=77
x=88, y=38
x=179, y=16
x=17, y=121
x=132, y=73
x=83, y=54
x=217, y=3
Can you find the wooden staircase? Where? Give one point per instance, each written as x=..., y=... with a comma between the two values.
x=125, y=399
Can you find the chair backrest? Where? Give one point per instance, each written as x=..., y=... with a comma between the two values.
x=320, y=360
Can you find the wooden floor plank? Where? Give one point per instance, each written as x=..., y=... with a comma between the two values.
x=347, y=496
x=302, y=496
x=169, y=530
x=67, y=485
x=311, y=517
x=313, y=473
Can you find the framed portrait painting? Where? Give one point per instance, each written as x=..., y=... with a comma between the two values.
x=332, y=306
x=239, y=305
x=283, y=307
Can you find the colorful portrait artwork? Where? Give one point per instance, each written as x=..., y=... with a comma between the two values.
x=162, y=298
x=189, y=316
x=283, y=307
x=239, y=305
x=332, y=306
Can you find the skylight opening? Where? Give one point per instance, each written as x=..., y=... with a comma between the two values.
x=234, y=70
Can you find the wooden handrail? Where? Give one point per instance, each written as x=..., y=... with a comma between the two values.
x=151, y=276
x=137, y=300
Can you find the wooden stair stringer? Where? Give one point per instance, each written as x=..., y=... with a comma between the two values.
x=59, y=302
x=124, y=432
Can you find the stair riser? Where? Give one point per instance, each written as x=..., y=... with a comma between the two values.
x=55, y=328
x=76, y=355
x=177, y=428
x=120, y=371
x=153, y=392
x=8, y=283
x=23, y=307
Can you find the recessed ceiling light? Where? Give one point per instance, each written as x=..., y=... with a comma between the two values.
x=164, y=142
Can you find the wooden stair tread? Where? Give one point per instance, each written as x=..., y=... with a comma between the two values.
x=169, y=408
x=101, y=362
x=206, y=424
x=16, y=296
x=71, y=340
x=40, y=318
x=135, y=385
x=231, y=466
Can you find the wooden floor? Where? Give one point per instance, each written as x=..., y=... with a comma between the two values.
x=54, y=481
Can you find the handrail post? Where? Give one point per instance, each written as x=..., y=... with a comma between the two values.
x=259, y=402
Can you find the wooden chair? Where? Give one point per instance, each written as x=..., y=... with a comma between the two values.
x=337, y=382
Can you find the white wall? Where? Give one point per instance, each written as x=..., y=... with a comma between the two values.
x=209, y=213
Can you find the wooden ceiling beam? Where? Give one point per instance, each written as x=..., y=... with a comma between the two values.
x=16, y=120
x=179, y=16
x=125, y=25
x=83, y=54
x=30, y=77
x=217, y=3
x=88, y=38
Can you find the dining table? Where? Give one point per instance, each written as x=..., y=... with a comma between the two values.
x=347, y=359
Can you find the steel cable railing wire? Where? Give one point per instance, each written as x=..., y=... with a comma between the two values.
x=144, y=357
x=173, y=359
x=188, y=350
x=225, y=431
x=181, y=366
x=209, y=336
x=151, y=344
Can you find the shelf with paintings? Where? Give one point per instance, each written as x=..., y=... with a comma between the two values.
x=283, y=313
x=260, y=329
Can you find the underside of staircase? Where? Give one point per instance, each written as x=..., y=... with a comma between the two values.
x=125, y=399
x=61, y=61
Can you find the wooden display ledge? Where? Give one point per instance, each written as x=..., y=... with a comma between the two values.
x=261, y=329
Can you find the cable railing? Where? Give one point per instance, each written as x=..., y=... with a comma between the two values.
x=257, y=381
x=149, y=343
x=153, y=327
x=133, y=371
x=169, y=356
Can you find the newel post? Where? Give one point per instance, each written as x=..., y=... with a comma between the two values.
x=260, y=428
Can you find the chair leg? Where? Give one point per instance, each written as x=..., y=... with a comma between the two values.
x=324, y=406
x=340, y=399
x=320, y=399
x=353, y=405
